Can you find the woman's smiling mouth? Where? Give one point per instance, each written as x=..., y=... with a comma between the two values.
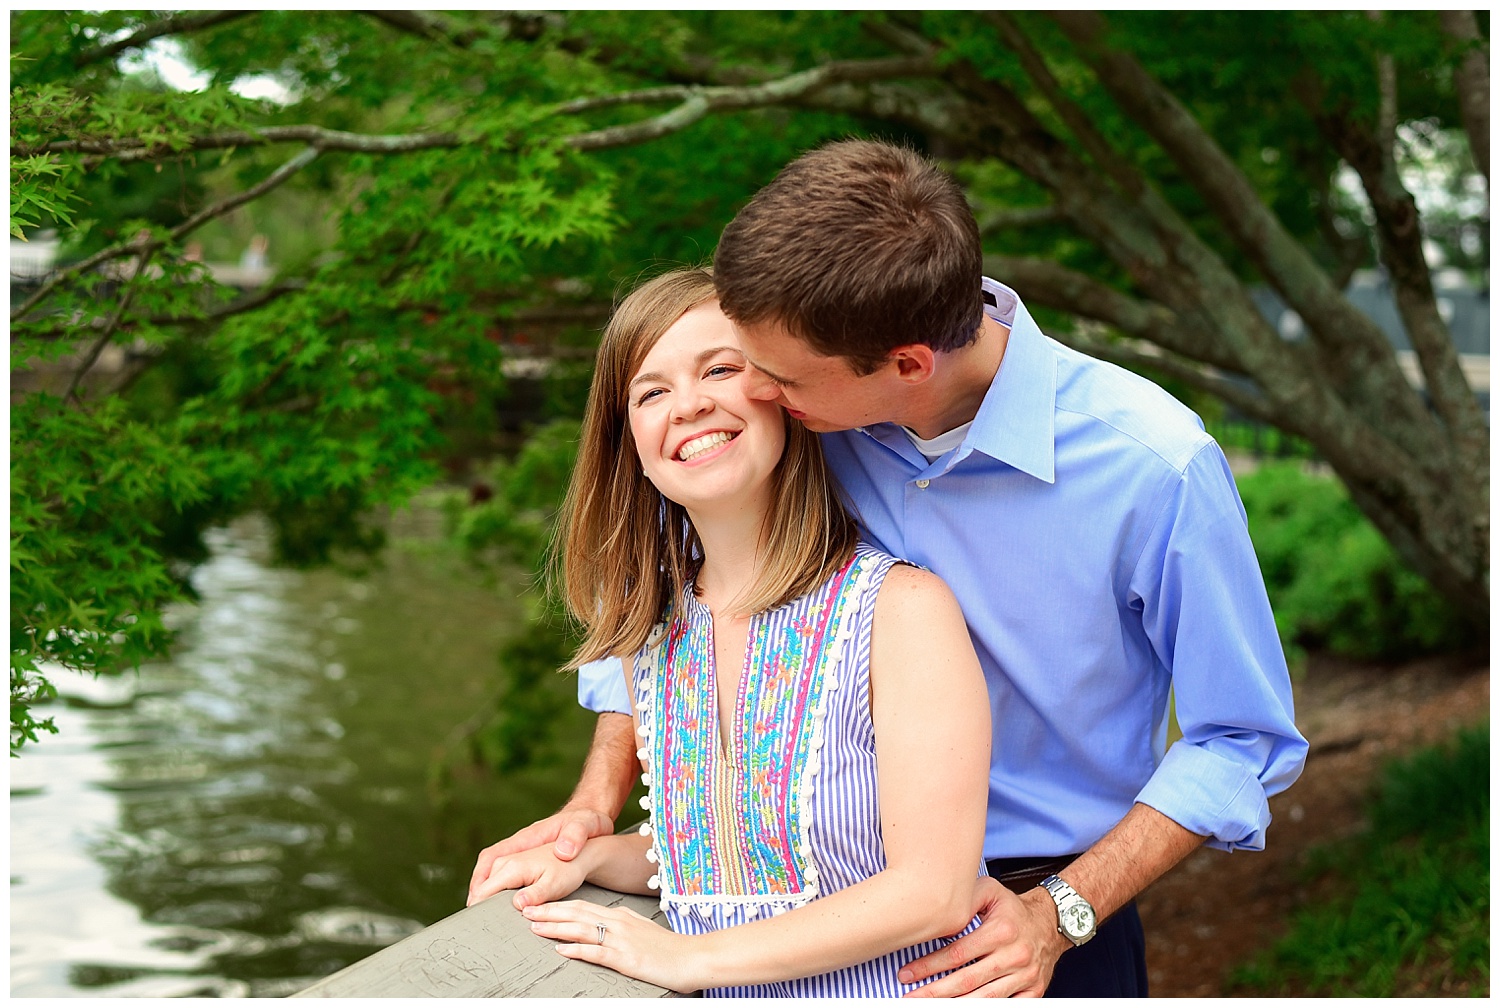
x=698, y=445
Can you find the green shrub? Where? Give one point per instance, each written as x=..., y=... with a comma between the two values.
x=1411, y=913
x=1333, y=580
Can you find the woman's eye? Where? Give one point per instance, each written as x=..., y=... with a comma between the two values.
x=720, y=370
x=647, y=396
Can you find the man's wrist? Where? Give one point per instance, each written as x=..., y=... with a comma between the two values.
x=1044, y=911
x=586, y=805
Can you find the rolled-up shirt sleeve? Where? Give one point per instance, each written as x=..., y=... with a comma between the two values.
x=1204, y=608
x=601, y=686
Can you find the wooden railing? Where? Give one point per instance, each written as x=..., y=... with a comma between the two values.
x=487, y=950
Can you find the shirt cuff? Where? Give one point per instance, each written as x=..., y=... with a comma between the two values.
x=1189, y=788
x=601, y=686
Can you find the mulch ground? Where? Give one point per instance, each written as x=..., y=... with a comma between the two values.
x=1216, y=910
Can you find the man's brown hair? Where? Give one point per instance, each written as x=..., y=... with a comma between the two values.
x=624, y=552
x=856, y=247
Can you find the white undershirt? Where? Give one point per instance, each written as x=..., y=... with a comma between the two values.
x=941, y=445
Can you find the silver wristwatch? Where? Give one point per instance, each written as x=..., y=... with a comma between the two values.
x=1076, y=920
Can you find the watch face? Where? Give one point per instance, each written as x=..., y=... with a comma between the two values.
x=1077, y=919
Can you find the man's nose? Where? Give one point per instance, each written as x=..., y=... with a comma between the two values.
x=759, y=386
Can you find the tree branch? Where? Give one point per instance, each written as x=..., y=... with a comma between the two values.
x=304, y=158
x=1145, y=236
x=1348, y=448
x=102, y=340
x=937, y=114
x=131, y=149
x=1007, y=218
x=697, y=102
x=896, y=36
x=1059, y=287
x=134, y=247
x=1349, y=251
x=1472, y=80
x=520, y=26
x=1399, y=231
x=248, y=302
x=47, y=286
x=1350, y=343
x=174, y=25
x=426, y=25
x=1460, y=574
x=645, y=96
x=238, y=306
x=1385, y=75
x=1104, y=155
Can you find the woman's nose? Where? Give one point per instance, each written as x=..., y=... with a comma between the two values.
x=689, y=404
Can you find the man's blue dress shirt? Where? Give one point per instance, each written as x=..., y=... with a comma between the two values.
x=1094, y=538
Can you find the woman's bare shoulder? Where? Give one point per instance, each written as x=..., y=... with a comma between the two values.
x=910, y=594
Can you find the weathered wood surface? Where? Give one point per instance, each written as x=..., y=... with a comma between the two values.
x=487, y=950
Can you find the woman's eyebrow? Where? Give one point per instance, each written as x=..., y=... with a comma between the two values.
x=715, y=351
x=652, y=376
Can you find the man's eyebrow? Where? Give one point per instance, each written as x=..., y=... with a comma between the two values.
x=652, y=376
x=773, y=375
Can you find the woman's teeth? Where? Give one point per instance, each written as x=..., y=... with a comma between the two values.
x=699, y=445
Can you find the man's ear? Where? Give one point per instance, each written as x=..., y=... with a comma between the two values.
x=915, y=362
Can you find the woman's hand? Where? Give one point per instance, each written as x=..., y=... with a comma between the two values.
x=543, y=874
x=633, y=945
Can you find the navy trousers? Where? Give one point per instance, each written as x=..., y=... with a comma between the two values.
x=1110, y=964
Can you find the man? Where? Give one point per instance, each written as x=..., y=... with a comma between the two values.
x=1088, y=526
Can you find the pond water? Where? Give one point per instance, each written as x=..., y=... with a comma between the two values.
x=261, y=810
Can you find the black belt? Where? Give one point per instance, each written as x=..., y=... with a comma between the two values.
x=1023, y=873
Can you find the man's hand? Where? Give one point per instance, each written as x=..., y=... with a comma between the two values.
x=1016, y=948
x=545, y=878
x=567, y=831
x=608, y=773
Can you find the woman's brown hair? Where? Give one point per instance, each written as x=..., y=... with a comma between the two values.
x=626, y=551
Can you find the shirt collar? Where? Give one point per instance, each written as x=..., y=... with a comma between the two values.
x=1015, y=420
x=1014, y=424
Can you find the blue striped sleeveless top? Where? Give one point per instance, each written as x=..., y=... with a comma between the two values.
x=790, y=811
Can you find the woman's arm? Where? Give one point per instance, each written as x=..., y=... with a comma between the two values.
x=619, y=863
x=932, y=734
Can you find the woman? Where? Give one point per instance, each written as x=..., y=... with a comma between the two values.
x=702, y=533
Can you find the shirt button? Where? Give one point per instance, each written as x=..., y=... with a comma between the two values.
x=922, y=484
